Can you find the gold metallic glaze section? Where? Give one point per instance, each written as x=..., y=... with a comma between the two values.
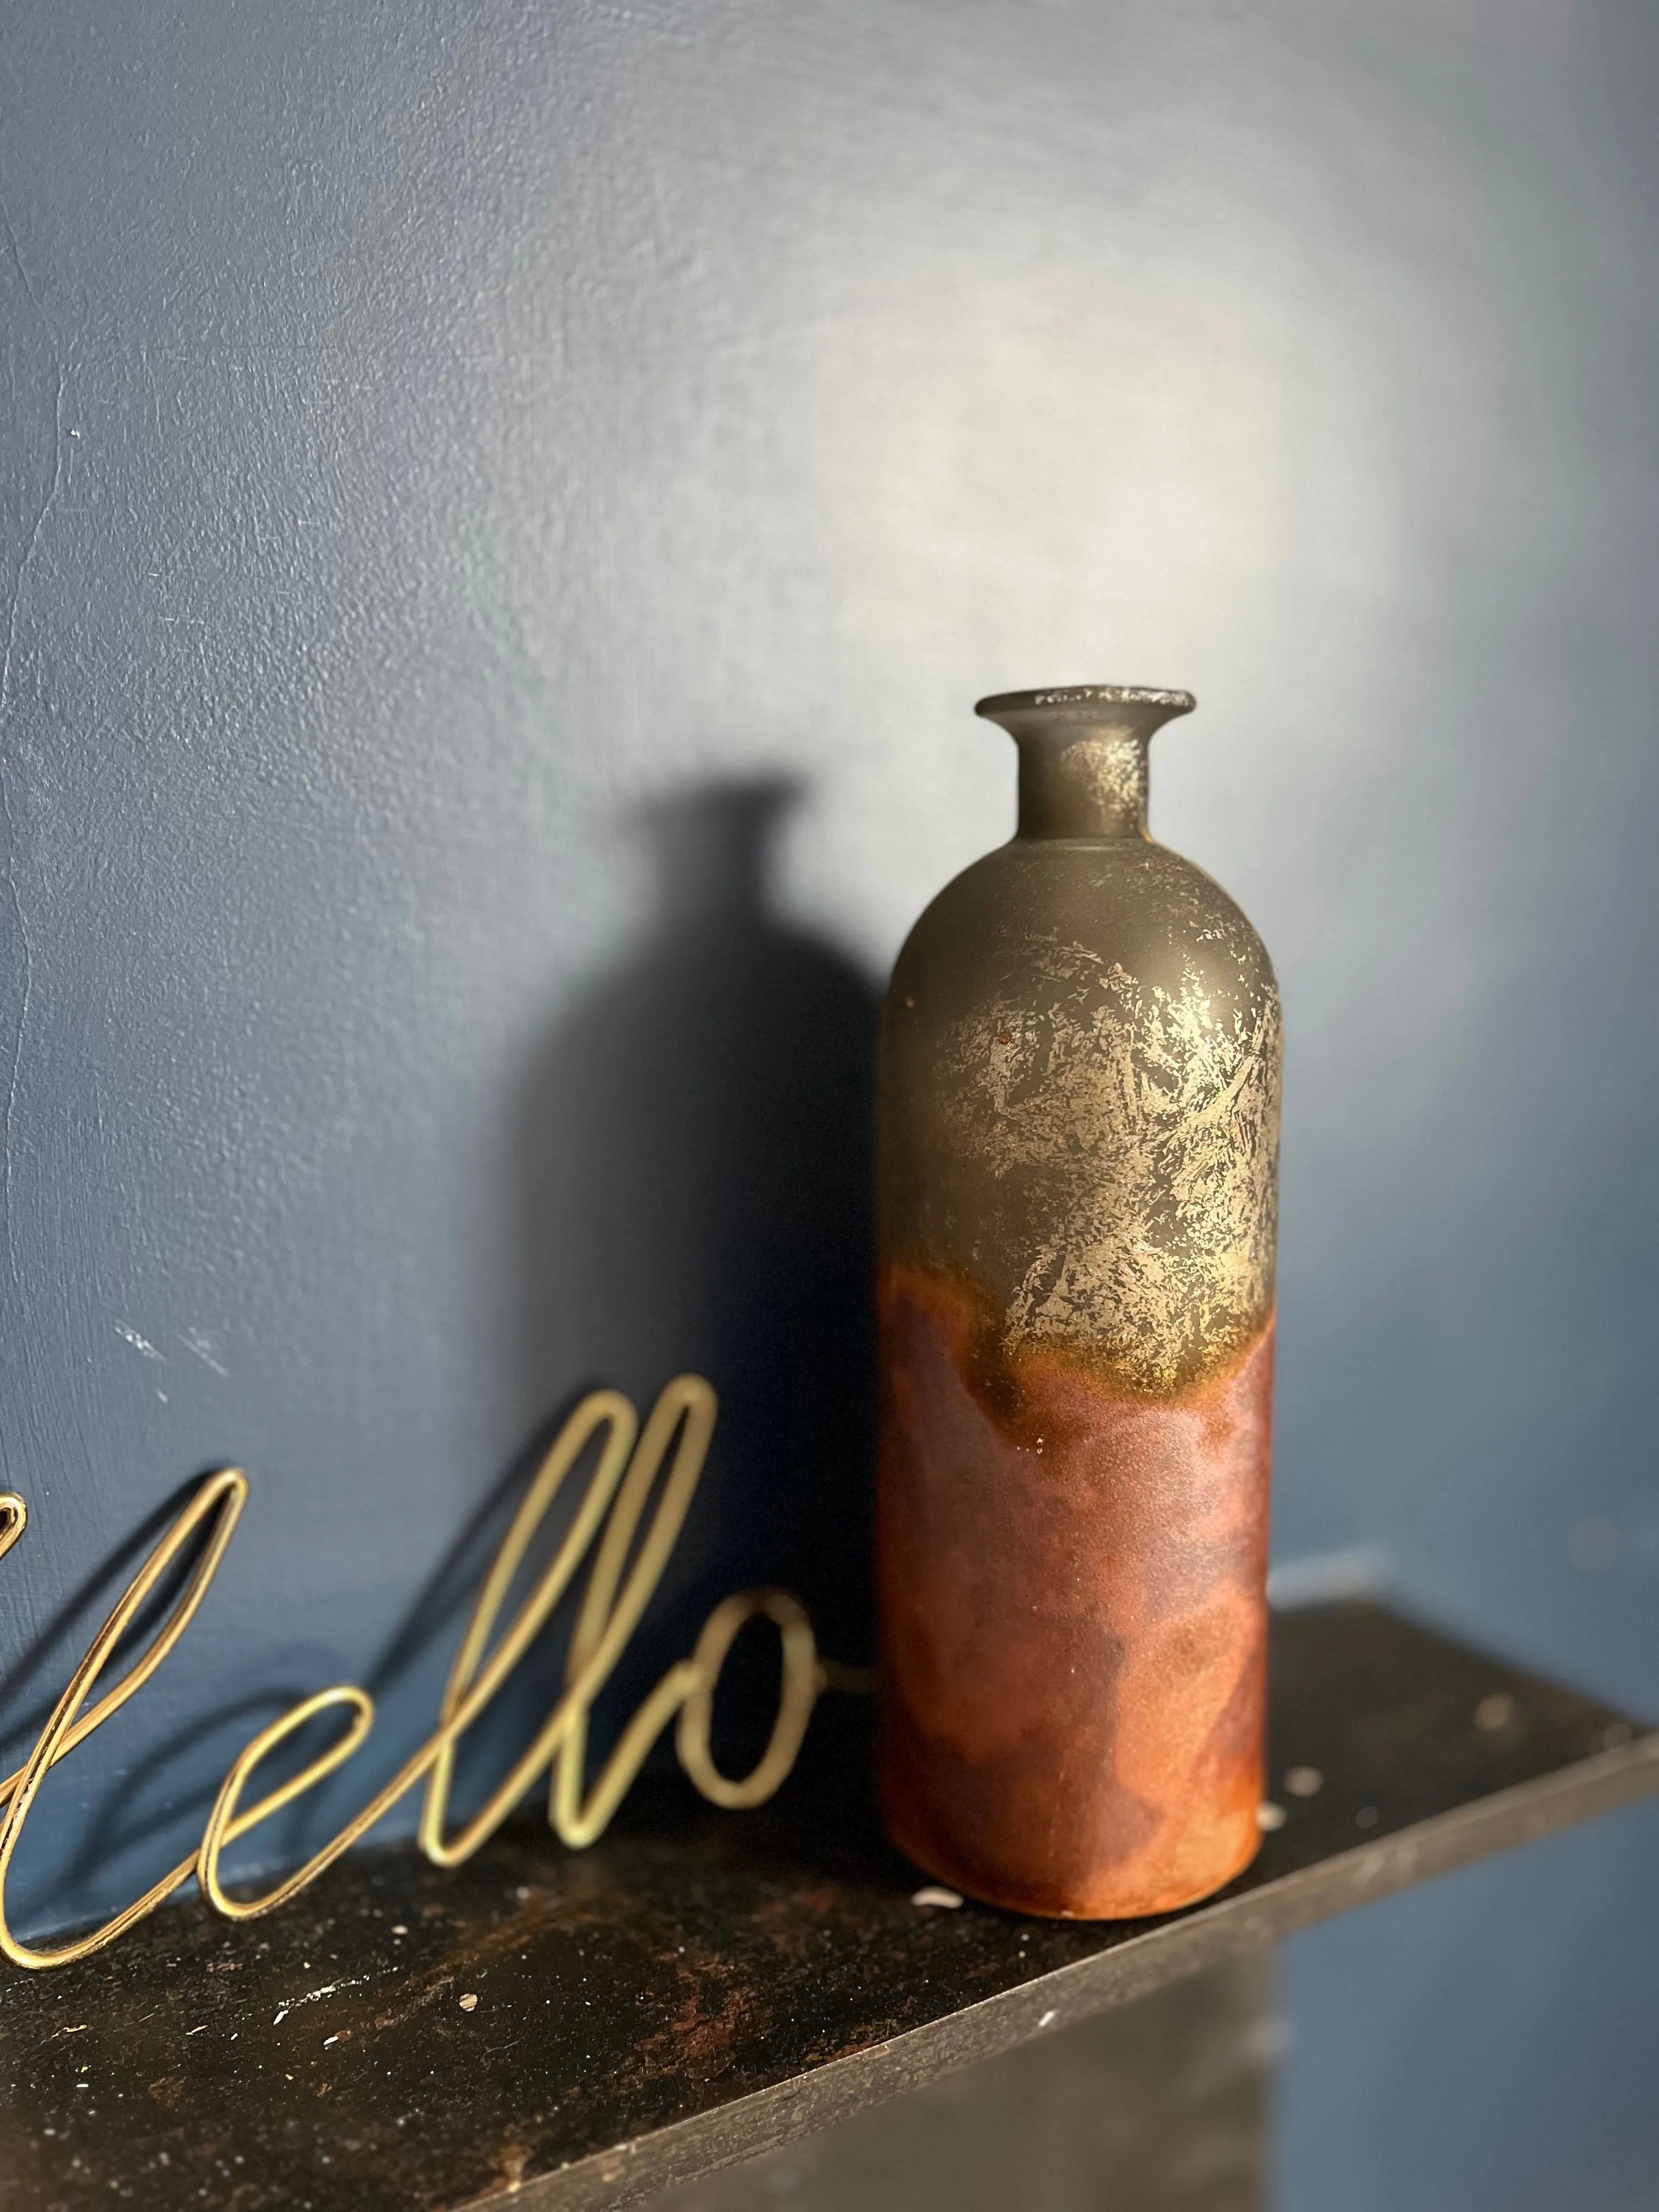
x=1152, y=1117
x=1091, y=787
x=1109, y=778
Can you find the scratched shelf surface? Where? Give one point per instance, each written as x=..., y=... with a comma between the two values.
x=584, y=2029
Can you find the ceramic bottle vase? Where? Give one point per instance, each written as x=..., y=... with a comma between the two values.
x=1079, y=1116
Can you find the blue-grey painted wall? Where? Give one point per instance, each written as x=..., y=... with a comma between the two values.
x=503, y=512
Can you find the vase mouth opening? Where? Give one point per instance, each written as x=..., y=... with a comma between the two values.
x=1086, y=702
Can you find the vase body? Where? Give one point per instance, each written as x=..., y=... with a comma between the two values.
x=1078, y=1159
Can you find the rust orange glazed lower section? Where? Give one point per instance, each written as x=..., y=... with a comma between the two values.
x=1073, y=1608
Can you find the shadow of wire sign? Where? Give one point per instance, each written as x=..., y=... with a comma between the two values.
x=427, y=441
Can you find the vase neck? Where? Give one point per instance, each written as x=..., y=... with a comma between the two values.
x=1082, y=756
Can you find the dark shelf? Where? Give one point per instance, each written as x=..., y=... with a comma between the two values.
x=700, y=1986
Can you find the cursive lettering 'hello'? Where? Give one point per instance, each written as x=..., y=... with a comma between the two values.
x=628, y=1520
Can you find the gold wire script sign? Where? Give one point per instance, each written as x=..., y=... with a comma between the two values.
x=662, y=1462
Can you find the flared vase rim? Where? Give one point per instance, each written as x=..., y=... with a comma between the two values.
x=1083, y=702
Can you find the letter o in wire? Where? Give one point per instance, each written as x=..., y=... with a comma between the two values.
x=802, y=1680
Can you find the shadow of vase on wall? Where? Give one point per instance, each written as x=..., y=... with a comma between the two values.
x=690, y=1186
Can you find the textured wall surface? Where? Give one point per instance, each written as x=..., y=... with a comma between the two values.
x=503, y=512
